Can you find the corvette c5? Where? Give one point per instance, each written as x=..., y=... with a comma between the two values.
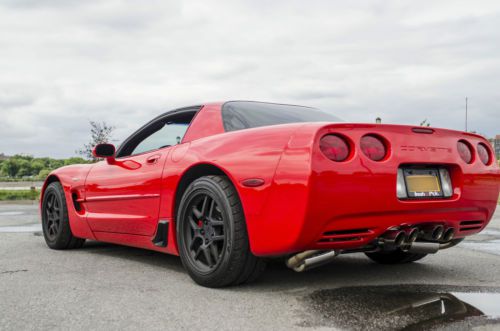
x=228, y=185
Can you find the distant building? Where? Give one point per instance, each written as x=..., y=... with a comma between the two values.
x=3, y=157
x=495, y=142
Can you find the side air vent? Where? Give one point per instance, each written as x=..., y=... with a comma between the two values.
x=344, y=235
x=471, y=225
x=76, y=201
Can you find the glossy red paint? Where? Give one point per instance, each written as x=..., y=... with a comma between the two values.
x=124, y=197
x=305, y=200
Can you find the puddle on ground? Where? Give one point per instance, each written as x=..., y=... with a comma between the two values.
x=22, y=228
x=403, y=307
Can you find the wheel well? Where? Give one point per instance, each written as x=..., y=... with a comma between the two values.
x=48, y=181
x=190, y=176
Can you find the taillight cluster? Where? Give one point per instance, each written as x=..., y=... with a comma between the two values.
x=466, y=152
x=484, y=154
x=335, y=147
x=373, y=147
x=339, y=148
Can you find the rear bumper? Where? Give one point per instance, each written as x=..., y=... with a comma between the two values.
x=335, y=218
x=358, y=230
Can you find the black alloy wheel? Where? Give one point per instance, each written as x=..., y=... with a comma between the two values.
x=212, y=236
x=205, y=233
x=53, y=215
x=55, y=220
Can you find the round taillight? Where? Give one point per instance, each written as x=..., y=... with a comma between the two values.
x=373, y=147
x=484, y=154
x=334, y=147
x=465, y=151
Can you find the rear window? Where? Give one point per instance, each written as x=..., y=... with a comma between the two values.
x=239, y=115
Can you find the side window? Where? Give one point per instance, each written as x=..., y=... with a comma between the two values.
x=168, y=135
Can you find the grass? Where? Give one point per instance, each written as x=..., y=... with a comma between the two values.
x=9, y=195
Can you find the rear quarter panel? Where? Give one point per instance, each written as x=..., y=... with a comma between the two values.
x=251, y=153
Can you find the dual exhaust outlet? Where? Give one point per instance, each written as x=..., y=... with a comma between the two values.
x=393, y=239
x=407, y=239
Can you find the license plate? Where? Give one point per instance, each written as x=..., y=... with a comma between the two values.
x=423, y=183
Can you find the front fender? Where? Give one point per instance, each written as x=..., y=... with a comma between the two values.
x=72, y=179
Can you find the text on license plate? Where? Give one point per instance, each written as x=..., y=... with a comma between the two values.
x=423, y=183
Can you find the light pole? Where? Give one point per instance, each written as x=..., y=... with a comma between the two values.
x=466, y=101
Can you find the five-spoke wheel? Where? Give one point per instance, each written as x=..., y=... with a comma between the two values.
x=212, y=237
x=204, y=232
x=55, y=222
x=53, y=215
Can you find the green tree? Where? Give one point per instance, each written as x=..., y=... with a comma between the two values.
x=100, y=133
x=74, y=160
x=24, y=168
x=42, y=175
x=36, y=166
x=10, y=167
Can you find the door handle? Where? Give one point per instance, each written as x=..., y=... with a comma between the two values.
x=152, y=159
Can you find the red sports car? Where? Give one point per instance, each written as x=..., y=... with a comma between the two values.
x=227, y=185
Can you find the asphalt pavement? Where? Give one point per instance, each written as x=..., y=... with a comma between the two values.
x=109, y=287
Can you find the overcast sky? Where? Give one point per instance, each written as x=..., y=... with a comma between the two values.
x=65, y=62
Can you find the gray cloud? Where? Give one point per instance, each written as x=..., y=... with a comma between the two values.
x=64, y=63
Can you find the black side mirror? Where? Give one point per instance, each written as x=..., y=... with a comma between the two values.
x=106, y=151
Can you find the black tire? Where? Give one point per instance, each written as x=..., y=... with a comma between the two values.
x=55, y=222
x=212, y=235
x=395, y=257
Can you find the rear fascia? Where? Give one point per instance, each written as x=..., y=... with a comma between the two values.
x=360, y=194
x=312, y=195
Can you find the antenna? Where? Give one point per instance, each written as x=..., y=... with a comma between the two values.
x=466, y=101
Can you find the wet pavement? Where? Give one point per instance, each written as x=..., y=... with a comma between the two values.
x=111, y=287
x=404, y=307
x=18, y=213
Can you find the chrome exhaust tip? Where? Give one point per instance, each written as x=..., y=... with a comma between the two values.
x=393, y=238
x=310, y=259
x=299, y=258
x=412, y=235
x=437, y=232
x=448, y=234
x=432, y=232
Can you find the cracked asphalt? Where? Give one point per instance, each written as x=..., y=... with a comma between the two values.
x=109, y=287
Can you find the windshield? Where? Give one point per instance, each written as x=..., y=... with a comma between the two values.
x=239, y=115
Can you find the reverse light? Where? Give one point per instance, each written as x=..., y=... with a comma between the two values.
x=484, y=154
x=401, y=185
x=446, y=186
x=465, y=151
x=373, y=147
x=334, y=147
